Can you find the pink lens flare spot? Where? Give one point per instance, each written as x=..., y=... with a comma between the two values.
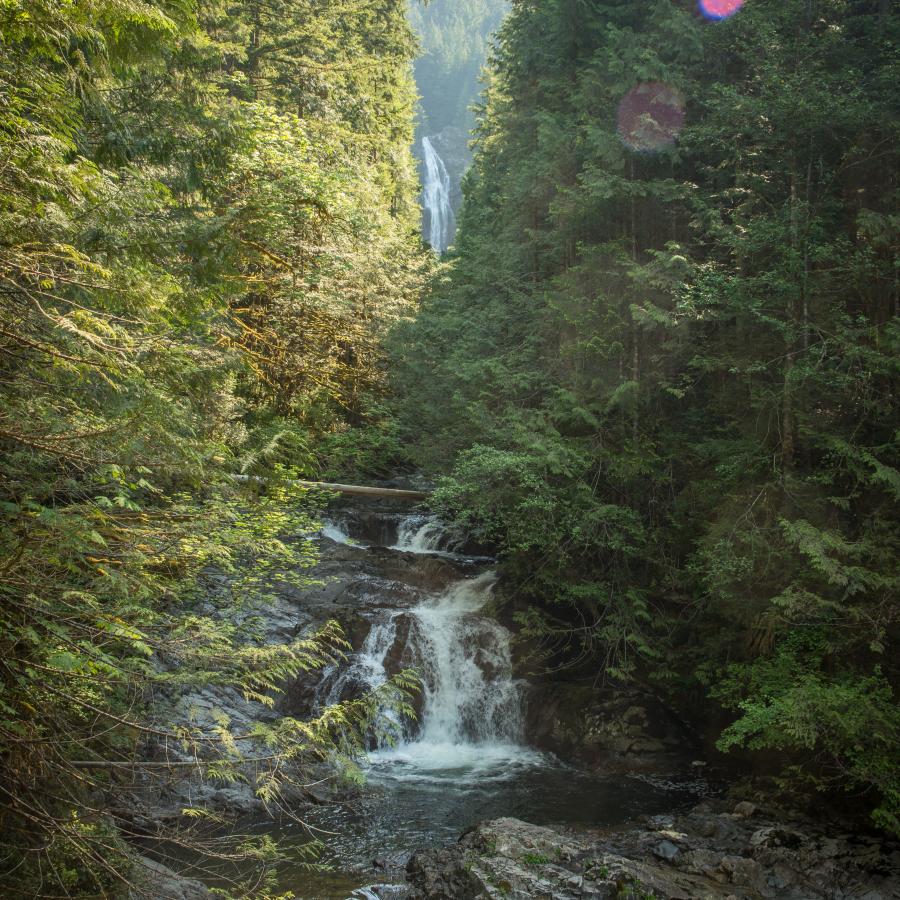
x=650, y=116
x=720, y=9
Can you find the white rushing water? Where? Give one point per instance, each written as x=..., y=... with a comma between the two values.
x=436, y=199
x=426, y=534
x=471, y=719
x=466, y=667
x=419, y=534
x=335, y=532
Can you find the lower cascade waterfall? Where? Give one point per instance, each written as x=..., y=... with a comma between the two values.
x=440, y=221
x=420, y=599
x=471, y=705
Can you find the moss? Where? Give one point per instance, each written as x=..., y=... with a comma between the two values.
x=535, y=859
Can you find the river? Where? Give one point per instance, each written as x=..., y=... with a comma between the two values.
x=467, y=758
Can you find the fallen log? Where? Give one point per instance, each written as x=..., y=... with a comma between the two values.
x=365, y=491
x=357, y=490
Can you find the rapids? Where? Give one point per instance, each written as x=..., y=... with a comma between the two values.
x=466, y=758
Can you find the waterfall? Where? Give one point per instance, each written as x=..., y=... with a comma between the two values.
x=471, y=703
x=335, y=532
x=410, y=601
x=427, y=534
x=436, y=199
x=466, y=666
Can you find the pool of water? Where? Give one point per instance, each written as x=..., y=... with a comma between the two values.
x=466, y=761
x=424, y=795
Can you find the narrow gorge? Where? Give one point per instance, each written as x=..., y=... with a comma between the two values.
x=449, y=450
x=560, y=789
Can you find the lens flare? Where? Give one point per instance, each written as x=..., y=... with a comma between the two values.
x=650, y=116
x=720, y=9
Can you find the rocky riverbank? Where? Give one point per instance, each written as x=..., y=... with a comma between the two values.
x=368, y=578
x=732, y=852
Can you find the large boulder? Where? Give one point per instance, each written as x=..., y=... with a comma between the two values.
x=713, y=852
x=508, y=859
x=151, y=878
x=608, y=728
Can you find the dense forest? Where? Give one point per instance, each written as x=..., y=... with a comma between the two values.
x=208, y=222
x=661, y=370
x=454, y=36
x=657, y=377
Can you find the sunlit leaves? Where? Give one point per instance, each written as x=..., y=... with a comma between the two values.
x=158, y=179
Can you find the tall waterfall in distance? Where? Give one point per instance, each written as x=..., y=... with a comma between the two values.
x=441, y=222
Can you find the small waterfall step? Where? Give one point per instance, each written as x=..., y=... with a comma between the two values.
x=427, y=534
x=471, y=704
x=419, y=533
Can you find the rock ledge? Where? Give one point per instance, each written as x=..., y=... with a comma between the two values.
x=711, y=853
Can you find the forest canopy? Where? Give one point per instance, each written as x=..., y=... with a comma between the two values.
x=208, y=221
x=660, y=370
x=454, y=36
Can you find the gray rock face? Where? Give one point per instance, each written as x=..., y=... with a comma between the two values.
x=670, y=859
x=508, y=858
x=610, y=729
x=153, y=879
x=666, y=850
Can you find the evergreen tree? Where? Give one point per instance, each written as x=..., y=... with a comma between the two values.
x=206, y=224
x=661, y=369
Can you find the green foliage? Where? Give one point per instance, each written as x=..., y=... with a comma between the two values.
x=849, y=725
x=207, y=223
x=375, y=449
x=454, y=36
x=664, y=382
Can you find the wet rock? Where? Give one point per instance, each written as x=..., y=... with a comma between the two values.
x=508, y=858
x=368, y=524
x=380, y=892
x=399, y=859
x=777, y=836
x=153, y=879
x=744, y=872
x=666, y=850
x=703, y=862
x=606, y=728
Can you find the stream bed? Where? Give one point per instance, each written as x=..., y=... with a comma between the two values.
x=478, y=794
x=405, y=808
x=467, y=758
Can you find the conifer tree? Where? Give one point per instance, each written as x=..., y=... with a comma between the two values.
x=661, y=368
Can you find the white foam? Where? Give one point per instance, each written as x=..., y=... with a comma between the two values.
x=420, y=534
x=336, y=533
x=449, y=761
x=470, y=727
